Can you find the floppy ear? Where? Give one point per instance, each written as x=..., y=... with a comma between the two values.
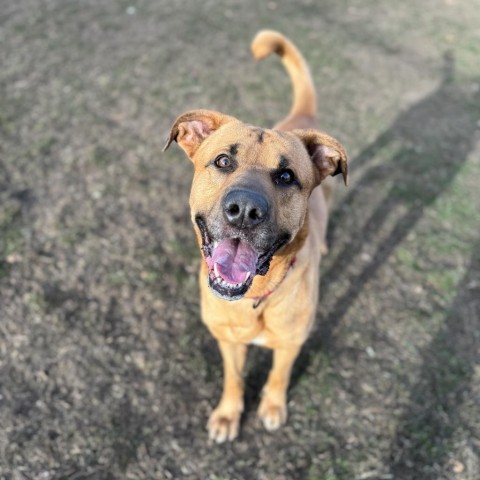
x=191, y=129
x=327, y=154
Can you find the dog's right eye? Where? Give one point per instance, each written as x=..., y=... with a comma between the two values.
x=222, y=161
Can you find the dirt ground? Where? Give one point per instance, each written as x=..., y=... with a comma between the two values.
x=106, y=371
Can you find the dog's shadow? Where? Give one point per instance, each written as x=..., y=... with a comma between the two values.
x=440, y=401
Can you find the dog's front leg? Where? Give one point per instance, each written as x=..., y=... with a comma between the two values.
x=273, y=407
x=225, y=419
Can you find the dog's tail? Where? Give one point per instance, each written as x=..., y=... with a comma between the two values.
x=304, y=98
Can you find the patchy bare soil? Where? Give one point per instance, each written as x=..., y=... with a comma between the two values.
x=106, y=371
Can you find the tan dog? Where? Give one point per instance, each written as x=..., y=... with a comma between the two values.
x=261, y=223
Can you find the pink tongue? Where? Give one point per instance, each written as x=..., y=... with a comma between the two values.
x=234, y=260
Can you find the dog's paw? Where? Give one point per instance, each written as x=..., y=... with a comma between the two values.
x=223, y=425
x=272, y=414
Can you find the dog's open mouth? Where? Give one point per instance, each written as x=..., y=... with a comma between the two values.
x=234, y=262
x=232, y=265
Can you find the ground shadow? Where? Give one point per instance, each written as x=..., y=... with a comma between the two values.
x=424, y=436
x=432, y=139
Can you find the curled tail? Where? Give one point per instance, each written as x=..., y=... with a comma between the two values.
x=304, y=98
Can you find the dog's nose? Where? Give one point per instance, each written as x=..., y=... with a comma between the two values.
x=244, y=208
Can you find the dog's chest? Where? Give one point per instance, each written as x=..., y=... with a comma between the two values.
x=260, y=336
x=252, y=332
x=246, y=328
x=259, y=340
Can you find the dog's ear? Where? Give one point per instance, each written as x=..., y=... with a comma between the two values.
x=327, y=154
x=191, y=129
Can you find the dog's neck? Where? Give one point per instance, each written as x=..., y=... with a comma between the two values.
x=258, y=300
x=279, y=266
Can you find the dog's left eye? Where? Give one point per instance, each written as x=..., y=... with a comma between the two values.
x=222, y=161
x=285, y=177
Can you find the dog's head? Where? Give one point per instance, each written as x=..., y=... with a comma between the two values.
x=250, y=191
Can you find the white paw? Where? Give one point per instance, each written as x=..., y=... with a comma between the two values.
x=273, y=415
x=223, y=425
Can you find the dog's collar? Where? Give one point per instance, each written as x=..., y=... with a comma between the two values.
x=261, y=298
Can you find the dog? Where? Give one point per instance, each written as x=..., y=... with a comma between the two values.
x=260, y=217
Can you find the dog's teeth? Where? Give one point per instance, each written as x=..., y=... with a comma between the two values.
x=224, y=284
